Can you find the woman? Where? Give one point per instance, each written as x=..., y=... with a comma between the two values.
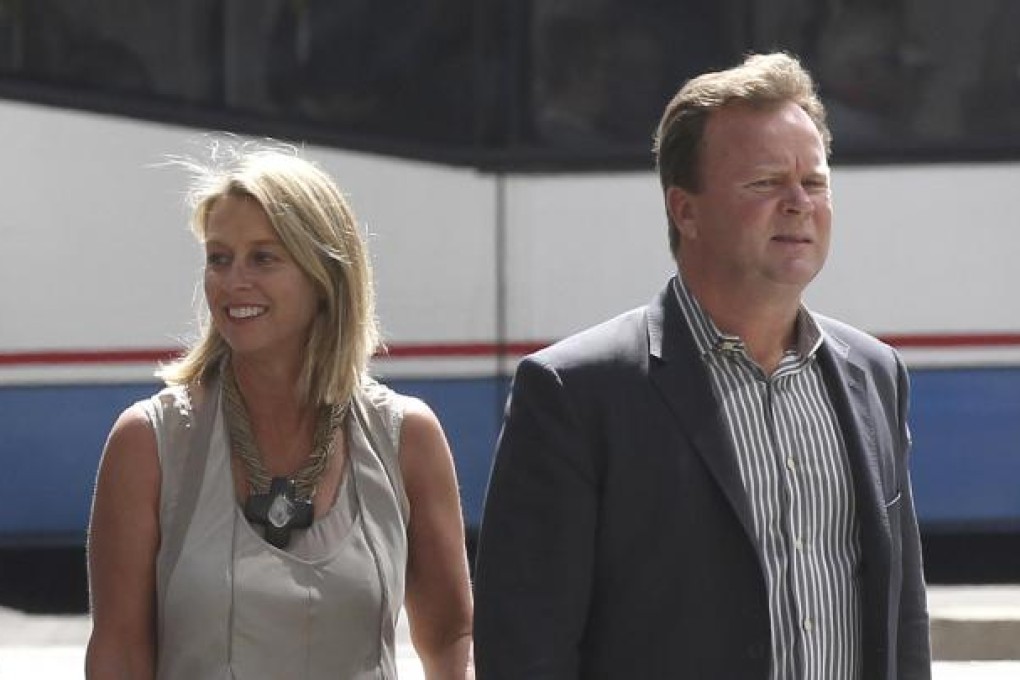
x=261, y=516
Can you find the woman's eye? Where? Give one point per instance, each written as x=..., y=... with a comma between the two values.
x=216, y=259
x=264, y=257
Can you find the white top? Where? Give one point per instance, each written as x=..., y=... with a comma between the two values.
x=230, y=605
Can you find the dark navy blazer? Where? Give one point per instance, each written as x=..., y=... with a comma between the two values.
x=616, y=540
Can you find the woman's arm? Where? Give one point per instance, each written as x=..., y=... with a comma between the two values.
x=122, y=545
x=438, y=600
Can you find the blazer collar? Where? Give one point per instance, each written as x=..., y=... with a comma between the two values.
x=678, y=373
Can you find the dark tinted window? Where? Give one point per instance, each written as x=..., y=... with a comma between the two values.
x=601, y=72
x=360, y=67
x=401, y=69
x=559, y=79
x=937, y=74
x=144, y=47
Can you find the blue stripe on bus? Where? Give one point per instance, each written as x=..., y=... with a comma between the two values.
x=51, y=438
x=966, y=456
x=965, y=423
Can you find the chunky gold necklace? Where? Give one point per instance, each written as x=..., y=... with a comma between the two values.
x=279, y=503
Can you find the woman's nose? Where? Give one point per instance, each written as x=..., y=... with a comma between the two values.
x=238, y=274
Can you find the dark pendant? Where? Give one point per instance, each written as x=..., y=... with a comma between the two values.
x=279, y=511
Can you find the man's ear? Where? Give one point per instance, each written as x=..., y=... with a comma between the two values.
x=681, y=206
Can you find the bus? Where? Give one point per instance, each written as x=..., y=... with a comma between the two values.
x=498, y=157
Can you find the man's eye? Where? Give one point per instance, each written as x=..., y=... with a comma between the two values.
x=216, y=259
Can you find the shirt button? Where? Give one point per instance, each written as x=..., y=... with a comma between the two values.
x=809, y=625
x=798, y=544
x=791, y=464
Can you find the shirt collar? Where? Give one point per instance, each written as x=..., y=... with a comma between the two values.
x=709, y=339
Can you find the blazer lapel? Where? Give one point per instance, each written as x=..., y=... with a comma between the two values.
x=848, y=386
x=679, y=375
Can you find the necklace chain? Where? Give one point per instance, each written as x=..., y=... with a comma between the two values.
x=242, y=440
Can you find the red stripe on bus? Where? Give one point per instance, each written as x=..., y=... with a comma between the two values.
x=115, y=356
x=477, y=349
x=141, y=356
x=953, y=340
x=463, y=350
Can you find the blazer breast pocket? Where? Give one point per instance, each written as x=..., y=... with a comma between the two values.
x=891, y=507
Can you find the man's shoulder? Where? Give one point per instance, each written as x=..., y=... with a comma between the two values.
x=621, y=338
x=853, y=339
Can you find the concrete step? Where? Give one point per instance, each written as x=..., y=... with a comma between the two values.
x=975, y=623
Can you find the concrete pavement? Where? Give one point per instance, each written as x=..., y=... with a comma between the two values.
x=975, y=623
x=975, y=636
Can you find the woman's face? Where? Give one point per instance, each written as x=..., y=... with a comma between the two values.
x=261, y=302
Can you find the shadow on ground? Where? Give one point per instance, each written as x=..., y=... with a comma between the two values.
x=54, y=580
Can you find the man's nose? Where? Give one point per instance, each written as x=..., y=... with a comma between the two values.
x=797, y=201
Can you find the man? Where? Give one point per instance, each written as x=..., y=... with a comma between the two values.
x=715, y=485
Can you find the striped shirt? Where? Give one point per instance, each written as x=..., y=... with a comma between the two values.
x=794, y=468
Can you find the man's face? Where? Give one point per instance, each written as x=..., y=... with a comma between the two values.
x=761, y=222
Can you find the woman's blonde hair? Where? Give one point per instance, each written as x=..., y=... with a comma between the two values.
x=319, y=230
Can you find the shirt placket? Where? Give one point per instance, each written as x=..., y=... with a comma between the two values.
x=794, y=521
